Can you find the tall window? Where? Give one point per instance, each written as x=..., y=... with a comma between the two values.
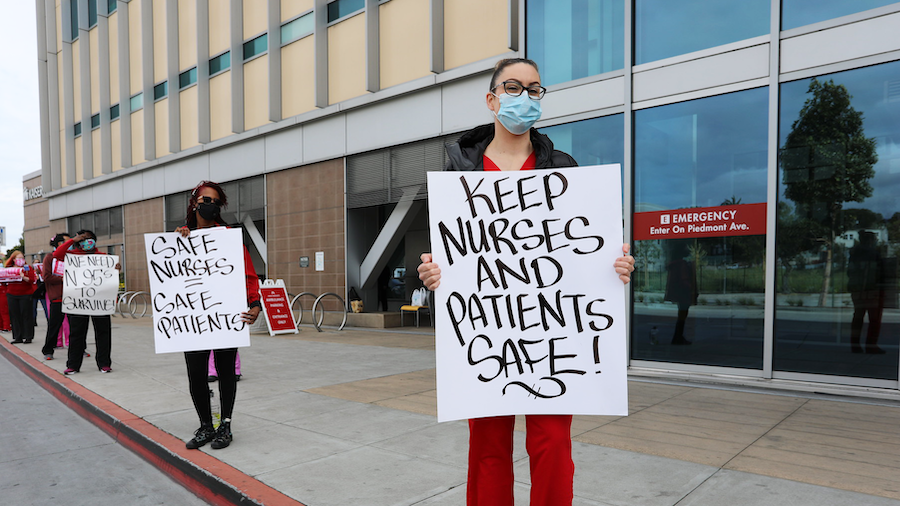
x=572, y=39
x=73, y=21
x=838, y=228
x=666, y=28
x=92, y=13
x=796, y=13
x=702, y=283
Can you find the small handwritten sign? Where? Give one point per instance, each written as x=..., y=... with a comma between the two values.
x=90, y=284
x=198, y=290
x=530, y=312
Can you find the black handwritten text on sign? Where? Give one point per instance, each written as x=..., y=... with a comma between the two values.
x=90, y=284
x=531, y=315
x=198, y=289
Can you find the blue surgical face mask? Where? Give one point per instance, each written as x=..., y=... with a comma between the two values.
x=518, y=114
x=88, y=244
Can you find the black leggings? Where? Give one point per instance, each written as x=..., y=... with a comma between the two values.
x=198, y=370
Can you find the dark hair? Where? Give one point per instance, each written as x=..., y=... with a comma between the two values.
x=506, y=62
x=59, y=239
x=88, y=233
x=190, y=221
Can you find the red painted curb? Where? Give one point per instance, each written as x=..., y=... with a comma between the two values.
x=207, y=477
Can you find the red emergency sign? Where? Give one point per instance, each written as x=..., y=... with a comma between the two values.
x=721, y=221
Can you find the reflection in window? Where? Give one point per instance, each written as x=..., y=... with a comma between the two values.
x=187, y=78
x=95, y=121
x=295, y=29
x=111, y=6
x=161, y=90
x=703, y=291
x=92, y=13
x=796, y=13
x=838, y=235
x=341, y=8
x=137, y=102
x=114, y=112
x=575, y=38
x=256, y=46
x=73, y=20
x=664, y=28
x=77, y=129
x=596, y=141
x=219, y=63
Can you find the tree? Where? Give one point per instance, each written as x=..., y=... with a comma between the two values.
x=20, y=246
x=827, y=160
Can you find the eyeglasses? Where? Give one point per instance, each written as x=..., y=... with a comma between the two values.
x=515, y=88
x=209, y=200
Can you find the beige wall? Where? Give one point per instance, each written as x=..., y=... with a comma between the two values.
x=59, y=34
x=94, y=38
x=469, y=37
x=79, y=162
x=37, y=223
x=219, y=26
x=96, y=167
x=161, y=109
x=256, y=13
x=76, y=79
x=298, y=78
x=291, y=8
x=134, y=45
x=187, y=35
x=115, y=138
x=62, y=158
x=114, y=58
x=405, y=41
x=305, y=215
x=140, y=218
x=190, y=129
x=159, y=41
x=347, y=59
x=256, y=92
x=220, y=105
x=137, y=136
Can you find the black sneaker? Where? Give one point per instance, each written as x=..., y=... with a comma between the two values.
x=223, y=436
x=203, y=435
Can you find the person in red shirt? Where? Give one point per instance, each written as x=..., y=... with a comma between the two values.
x=510, y=143
x=18, y=298
x=205, y=211
x=54, y=286
x=85, y=243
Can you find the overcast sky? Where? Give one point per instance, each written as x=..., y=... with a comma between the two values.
x=20, y=141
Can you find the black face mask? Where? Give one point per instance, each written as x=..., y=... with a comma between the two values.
x=208, y=212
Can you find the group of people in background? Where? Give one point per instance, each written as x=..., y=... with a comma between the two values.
x=43, y=283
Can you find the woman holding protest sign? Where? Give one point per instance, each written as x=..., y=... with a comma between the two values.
x=85, y=243
x=510, y=143
x=18, y=298
x=205, y=211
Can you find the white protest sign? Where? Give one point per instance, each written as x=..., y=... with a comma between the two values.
x=90, y=284
x=530, y=313
x=198, y=290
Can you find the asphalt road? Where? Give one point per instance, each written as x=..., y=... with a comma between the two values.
x=50, y=456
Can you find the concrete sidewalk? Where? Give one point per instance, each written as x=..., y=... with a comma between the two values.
x=347, y=418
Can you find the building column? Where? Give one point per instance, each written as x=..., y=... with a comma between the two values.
x=124, y=85
x=147, y=79
x=173, y=66
x=203, y=70
x=237, y=66
x=320, y=32
x=274, y=19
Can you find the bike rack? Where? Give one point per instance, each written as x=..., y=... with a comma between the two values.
x=132, y=305
x=294, y=301
x=318, y=322
x=120, y=298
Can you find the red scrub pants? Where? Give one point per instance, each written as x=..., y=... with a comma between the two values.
x=549, y=445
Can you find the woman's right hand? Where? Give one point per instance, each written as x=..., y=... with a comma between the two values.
x=183, y=230
x=429, y=272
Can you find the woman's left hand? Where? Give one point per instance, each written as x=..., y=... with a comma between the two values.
x=251, y=315
x=625, y=264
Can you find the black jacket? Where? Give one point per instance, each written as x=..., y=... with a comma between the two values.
x=467, y=154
